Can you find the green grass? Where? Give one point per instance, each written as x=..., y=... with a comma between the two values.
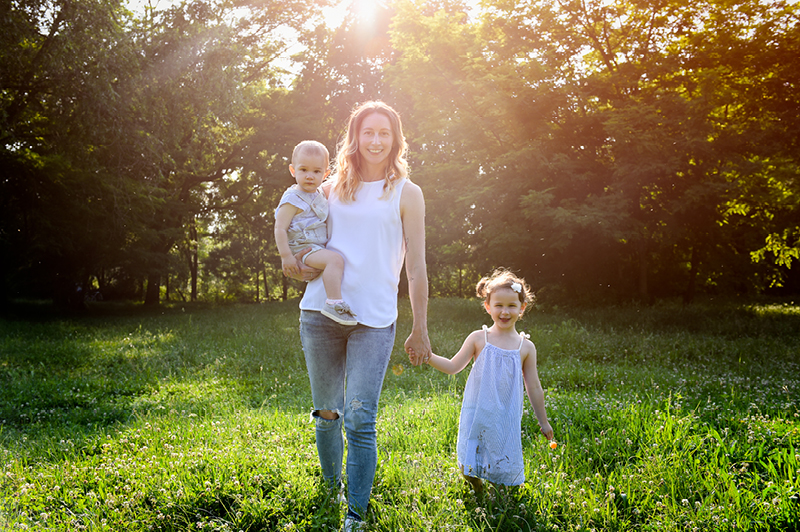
x=196, y=418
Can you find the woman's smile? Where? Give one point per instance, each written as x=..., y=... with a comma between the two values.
x=375, y=141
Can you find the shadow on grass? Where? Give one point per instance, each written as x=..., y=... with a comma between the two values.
x=75, y=375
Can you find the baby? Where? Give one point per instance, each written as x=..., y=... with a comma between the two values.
x=300, y=223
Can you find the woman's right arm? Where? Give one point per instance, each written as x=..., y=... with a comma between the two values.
x=307, y=273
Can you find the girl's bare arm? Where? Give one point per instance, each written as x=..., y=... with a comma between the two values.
x=534, y=388
x=460, y=360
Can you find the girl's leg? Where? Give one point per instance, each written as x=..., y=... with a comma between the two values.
x=324, y=346
x=475, y=482
x=368, y=351
x=332, y=266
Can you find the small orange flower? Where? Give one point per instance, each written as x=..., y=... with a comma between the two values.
x=553, y=444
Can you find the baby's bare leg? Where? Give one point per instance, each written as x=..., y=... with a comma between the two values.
x=332, y=266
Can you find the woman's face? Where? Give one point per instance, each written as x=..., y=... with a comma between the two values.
x=375, y=140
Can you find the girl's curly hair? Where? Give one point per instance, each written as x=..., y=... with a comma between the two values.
x=504, y=278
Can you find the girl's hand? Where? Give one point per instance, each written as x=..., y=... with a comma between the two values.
x=547, y=430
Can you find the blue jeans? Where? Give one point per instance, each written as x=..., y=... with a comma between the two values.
x=346, y=365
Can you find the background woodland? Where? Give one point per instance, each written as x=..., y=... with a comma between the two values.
x=607, y=150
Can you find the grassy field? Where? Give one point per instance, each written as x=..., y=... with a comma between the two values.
x=197, y=418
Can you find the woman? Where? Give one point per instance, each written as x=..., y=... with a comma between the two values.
x=377, y=219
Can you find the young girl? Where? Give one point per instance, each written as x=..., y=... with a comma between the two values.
x=490, y=428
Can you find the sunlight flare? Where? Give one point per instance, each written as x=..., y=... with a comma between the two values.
x=364, y=11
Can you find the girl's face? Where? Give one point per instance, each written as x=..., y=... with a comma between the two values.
x=375, y=140
x=505, y=308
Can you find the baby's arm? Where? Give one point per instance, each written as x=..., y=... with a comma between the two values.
x=460, y=359
x=534, y=388
x=283, y=218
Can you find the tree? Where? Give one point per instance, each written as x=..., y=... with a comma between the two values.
x=56, y=89
x=607, y=127
x=124, y=124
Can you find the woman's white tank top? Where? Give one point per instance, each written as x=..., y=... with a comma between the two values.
x=368, y=233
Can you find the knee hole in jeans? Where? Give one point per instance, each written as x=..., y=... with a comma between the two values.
x=327, y=415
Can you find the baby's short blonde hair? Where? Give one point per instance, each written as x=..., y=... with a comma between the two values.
x=313, y=146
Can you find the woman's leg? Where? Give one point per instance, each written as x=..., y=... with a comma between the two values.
x=368, y=352
x=324, y=345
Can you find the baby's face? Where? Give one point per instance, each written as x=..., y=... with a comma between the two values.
x=309, y=168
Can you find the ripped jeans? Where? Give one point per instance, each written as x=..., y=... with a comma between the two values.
x=346, y=366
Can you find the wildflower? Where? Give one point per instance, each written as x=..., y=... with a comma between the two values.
x=397, y=369
x=553, y=444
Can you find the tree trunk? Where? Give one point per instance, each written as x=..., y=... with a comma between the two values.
x=151, y=297
x=193, y=265
x=688, y=295
x=101, y=280
x=643, y=288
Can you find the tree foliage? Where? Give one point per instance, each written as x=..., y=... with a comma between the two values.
x=604, y=149
x=602, y=142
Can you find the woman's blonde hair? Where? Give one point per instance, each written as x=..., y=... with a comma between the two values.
x=348, y=160
x=503, y=278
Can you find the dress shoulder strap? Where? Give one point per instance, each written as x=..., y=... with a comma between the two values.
x=522, y=337
x=485, y=334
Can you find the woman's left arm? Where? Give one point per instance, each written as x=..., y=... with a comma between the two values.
x=412, y=214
